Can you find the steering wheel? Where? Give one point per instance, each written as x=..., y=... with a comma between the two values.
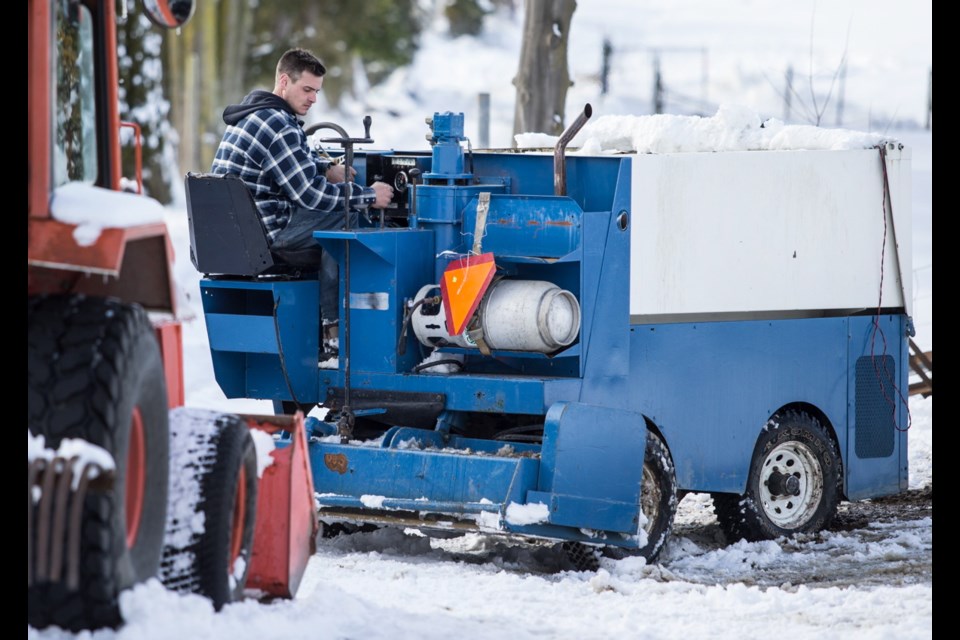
x=317, y=126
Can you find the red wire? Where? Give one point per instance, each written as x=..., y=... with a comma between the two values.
x=876, y=319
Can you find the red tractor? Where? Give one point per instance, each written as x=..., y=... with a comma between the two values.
x=109, y=443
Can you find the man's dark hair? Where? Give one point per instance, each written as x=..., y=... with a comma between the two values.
x=295, y=61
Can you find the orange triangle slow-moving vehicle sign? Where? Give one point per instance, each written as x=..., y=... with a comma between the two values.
x=464, y=282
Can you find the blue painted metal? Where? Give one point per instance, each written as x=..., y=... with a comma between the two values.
x=439, y=209
x=387, y=267
x=407, y=437
x=470, y=392
x=243, y=321
x=347, y=473
x=875, y=341
x=413, y=469
x=591, y=467
x=708, y=387
x=525, y=226
x=447, y=133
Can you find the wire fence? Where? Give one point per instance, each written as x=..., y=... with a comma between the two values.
x=650, y=76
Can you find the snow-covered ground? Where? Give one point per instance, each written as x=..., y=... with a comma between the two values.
x=391, y=584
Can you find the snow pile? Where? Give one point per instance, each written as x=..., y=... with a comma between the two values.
x=532, y=513
x=733, y=128
x=372, y=502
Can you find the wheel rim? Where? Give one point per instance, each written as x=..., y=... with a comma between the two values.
x=649, y=498
x=791, y=485
x=239, y=516
x=136, y=477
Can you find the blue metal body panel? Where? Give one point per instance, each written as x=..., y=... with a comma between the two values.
x=440, y=476
x=525, y=226
x=707, y=386
x=387, y=267
x=255, y=329
x=470, y=392
x=440, y=210
x=878, y=407
x=710, y=388
x=423, y=471
x=591, y=466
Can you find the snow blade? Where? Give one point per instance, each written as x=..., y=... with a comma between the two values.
x=287, y=526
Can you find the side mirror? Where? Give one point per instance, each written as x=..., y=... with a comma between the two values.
x=169, y=14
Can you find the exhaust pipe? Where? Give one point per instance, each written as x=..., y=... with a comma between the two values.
x=559, y=164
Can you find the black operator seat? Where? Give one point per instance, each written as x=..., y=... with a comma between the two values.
x=227, y=236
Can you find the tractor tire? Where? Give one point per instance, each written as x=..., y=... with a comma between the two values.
x=95, y=373
x=794, y=484
x=658, y=501
x=213, y=506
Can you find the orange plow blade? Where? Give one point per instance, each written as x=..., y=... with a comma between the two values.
x=285, y=534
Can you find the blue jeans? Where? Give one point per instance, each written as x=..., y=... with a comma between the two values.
x=296, y=245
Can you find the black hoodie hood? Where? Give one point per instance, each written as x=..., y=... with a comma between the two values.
x=254, y=101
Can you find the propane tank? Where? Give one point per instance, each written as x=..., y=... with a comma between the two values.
x=514, y=315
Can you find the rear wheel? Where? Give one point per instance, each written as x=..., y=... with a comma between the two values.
x=94, y=373
x=217, y=479
x=793, y=486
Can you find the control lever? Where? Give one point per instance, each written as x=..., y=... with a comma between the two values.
x=414, y=176
x=346, y=421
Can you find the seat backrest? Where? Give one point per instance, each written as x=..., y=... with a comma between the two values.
x=227, y=236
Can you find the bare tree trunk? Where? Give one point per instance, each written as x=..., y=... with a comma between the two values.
x=181, y=47
x=173, y=76
x=543, y=77
x=209, y=98
x=237, y=21
x=191, y=117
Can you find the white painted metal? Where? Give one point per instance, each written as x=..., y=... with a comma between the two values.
x=529, y=315
x=769, y=231
x=430, y=328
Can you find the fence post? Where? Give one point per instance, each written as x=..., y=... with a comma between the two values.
x=484, y=108
x=787, y=94
x=841, y=89
x=657, y=86
x=704, y=78
x=605, y=67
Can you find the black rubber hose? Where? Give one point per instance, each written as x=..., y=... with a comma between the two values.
x=426, y=365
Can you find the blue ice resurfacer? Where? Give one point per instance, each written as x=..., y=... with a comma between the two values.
x=558, y=346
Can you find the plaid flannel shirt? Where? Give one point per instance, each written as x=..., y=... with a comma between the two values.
x=268, y=150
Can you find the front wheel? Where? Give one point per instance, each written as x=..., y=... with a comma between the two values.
x=213, y=500
x=658, y=500
x=794, y=484
x=95, y=374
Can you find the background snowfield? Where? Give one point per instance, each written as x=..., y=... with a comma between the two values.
x=390, y=584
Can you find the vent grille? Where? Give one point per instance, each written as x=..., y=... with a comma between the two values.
x=876, y=396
